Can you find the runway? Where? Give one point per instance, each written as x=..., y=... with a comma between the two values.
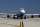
x=31, y=22
x=35, y=22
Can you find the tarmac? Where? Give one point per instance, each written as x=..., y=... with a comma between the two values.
x=31, y=22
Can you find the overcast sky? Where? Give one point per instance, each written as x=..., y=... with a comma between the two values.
x=19, y=3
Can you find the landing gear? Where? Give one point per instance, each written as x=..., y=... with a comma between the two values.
x=32, y=16
x=39, y=16
x=24, y=17
x=14, y=17
x=8, y=16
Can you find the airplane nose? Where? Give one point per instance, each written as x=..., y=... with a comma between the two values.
x=22, y=10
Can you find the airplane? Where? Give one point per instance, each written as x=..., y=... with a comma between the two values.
x=20, y=15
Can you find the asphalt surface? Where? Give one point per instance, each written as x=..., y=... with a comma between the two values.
x=35, y=22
